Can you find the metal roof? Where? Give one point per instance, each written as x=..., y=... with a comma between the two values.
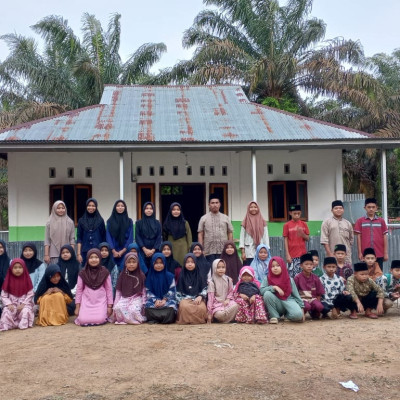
x=176, y=114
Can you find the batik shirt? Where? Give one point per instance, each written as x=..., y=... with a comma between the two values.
x=333, y=287
x=361, y=289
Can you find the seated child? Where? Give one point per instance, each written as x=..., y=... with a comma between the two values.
x=94, y=299
x=131, y=293
x=35, y=266
x=261, y=261
x=280, y=293
x=247, y=295
x=53, y=295
x=201, y=261
x=365, y=294
x=220, y=303
x=393, y=281
x=343, y=269
x=171, y=264
x=310, y=287
x=316, y=270
x=134, y=248
x=160, y=304
x=191, y=293
x=4, y=262
x=232, y=261
x=107, y=261
x=69, y=265
x=17, y=297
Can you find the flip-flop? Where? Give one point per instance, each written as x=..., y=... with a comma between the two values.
x=371, y=315
x=353, y=316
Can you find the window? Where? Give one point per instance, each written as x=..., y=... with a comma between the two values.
x=70, y=172
x=144, y=192
x=138, y=171
x=52, y=172
x=188, y=170
x=151, y=171
x=175, y=170
x=88, y=172
x=202, y=171
x=270, y=169
x=74, y=197
x=221, y=190
x=303, y=168
x=224, y=170
x=286, y=168
x=283, y=193
x=161, y=171
x=212, y=171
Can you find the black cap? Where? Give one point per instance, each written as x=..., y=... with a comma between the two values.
x=369, y=250
x=213, y=196
x=295, y=207
x=306, y=257
x=330, y=260
x=395, y=264
x=337, y=203
x=340, y=247
x=314, y=253
x=361, y=266
x=370, y=200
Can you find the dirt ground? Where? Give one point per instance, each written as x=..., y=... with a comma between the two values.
x=153, y=362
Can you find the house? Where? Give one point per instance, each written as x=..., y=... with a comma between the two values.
x=177, y=143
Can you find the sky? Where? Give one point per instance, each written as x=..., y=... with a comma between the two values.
x=370, y=21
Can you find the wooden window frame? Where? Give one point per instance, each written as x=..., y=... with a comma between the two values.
x=224, y=187
x=139, y=186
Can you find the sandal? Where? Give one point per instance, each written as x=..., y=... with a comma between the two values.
x=353, y=316
x=371, y=315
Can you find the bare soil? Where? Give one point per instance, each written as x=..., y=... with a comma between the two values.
x=210, y=362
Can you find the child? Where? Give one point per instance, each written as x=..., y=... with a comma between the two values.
x=392, y=289
x=107, y=261
x=334, y=287
x=131, y=293
x=310, y=287
x=374, y=271
x=247, y=295
x=69, y=265
x=261, y=261
x=280, y=293
x=220, y=304
x=53, y=295
x=316, y=269
x=191, y=293
x=17, y=297
x=171, y=264
x=201, y=261
x=365, y=294
x=371, y=231
x=343, y=269
x=134, y=248
x=93, y=298
x=35, y=266
x=160, y=292
x=4, y=262
x=230, y=256
x=296, y=234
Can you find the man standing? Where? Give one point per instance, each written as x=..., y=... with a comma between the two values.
x=214, y=230
x=337, y=230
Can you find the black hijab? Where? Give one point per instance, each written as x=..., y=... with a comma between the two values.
x=174, y=226
x=31, y=263
x=148, y=226
x=171, y=264
x=201, y=262
x=118, y=224
x=107, y=262
x=90, y=222
x=45, y=283
x=70, y=266
x=4, y=263
x=190, y=282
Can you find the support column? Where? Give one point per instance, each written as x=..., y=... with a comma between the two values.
x=384, y=186
x=254, y=174
x=121, y=175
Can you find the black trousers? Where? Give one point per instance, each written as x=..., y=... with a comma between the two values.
x=368, y=301
x=164, y=315
x=341, y=301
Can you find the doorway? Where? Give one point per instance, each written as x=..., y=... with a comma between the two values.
x=191, y=196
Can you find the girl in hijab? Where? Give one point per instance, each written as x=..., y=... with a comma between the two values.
x=171, y=264
x=69, y=265
x=160, y=292
x=4, y=262
x=148, y=233
x=60, y=230
x=35, y=266
x=91, y=230
x=201, y=261
x=232, y=261
x=119, y=231
x=280, y=293
x=93, y=297
x=107, y=260
x=220, y=303
x=131, y=293
x=261, y=261
x=191, y=293
x=53, y=295
x=253, y=232
x=177, y=231
x=134, y=248
x=247, y=295
x=17, y=297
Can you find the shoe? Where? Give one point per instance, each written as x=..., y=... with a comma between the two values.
x=371, y=315
x=353, y=315
x=273, y=321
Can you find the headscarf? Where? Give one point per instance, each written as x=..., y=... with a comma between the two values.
x=90, y=222
x=201, y=262
x=174, y=226
x=261, y=267
x=375, y=271
x=254, y=224
x=233, y=263
x=130, y=283
x=70, y=266
x=171, y=263
x=4, y=263
x=148, y=226
x=158, y=282
x=118, y=224
x=59, y=226
x=107, y=262
x=17, y=285
x=219, y=284
x=251, y=272
x=190, y=282
x=142, y=263
x=94, y=277
x=31, y=263
x=46, y=284
x=282, y=280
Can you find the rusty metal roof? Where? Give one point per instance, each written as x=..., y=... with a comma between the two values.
x=199, y=114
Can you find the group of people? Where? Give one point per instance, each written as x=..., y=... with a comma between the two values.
x=162, y=277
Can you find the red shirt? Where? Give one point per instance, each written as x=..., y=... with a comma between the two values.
x=296, y=244
x=371, y=232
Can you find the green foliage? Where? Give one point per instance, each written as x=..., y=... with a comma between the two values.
x=285, y=104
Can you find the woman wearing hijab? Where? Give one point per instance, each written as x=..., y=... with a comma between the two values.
x=4, y=262
x=53, y=295
x=91, y=230
x=201, y=261
x=35, y=266
x=119, y=231
x=253, y=232
x=94, y=299
x=233, y=264
x=171, y=264
x=191, y=293
x=177, y=231
x=60, y=230
x=261, y=261
x=148, y=233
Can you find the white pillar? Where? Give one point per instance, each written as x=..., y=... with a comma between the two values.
x=254, y=174
x=384, y=186
x=121, y=175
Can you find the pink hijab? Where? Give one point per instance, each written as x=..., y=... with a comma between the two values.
x=254, y=224
x=251, y=272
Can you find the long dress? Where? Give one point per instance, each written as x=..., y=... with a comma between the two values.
x=128, y=310
x=53, y=309
x=17, y=319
